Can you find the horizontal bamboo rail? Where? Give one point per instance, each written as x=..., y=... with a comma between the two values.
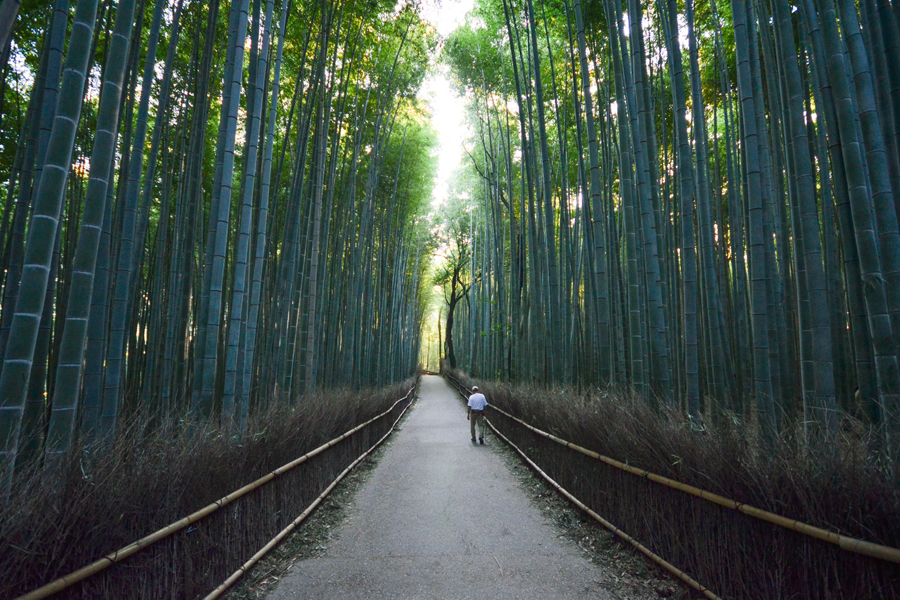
x=287, y=530
x=640, y=547
x=121, y=554
x=594, y=515
x=844, y=542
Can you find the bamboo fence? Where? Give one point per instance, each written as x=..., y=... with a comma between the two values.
x=191, y=556
x=738, y=550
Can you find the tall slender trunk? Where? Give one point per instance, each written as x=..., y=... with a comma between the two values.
x=41, y=238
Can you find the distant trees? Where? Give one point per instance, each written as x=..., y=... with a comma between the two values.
x=454, y=271
x=712, y=224
x=183, y=245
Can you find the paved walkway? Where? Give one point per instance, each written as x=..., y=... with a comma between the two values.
x=442, y=518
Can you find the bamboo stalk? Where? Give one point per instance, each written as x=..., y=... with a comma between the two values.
x=847, y=543
x=110, y=559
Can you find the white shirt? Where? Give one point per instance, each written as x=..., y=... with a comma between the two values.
x=477, y=401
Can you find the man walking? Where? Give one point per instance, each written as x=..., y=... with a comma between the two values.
x=477, y=402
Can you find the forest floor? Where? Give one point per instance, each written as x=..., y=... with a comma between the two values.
x=430, y=515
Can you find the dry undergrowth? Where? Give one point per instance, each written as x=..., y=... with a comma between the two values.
x=152, y=476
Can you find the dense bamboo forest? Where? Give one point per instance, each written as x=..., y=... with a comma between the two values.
x=187, y=187
x=697, y=201
x=212, y=208
x=669, y=256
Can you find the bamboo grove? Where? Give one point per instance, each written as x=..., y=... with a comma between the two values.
x=694, y=200
x=187, y=187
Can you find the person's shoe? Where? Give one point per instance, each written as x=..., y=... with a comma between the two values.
x=473, y=440
x=481, y=441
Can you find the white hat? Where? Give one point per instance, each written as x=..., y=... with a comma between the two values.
x=474, y=388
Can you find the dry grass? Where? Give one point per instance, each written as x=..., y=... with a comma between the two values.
x=151, y=477
x=839, y=486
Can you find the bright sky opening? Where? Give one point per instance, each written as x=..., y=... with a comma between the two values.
x=447, y=108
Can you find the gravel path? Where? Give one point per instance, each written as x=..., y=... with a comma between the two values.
x=440, y=517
